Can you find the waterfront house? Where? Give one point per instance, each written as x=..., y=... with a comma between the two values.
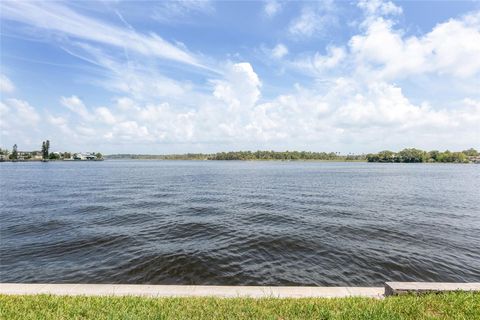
x=84, y=156
x=24, y=155
x=90, y=156
x=78, y=156
x=29, y=155
x=474, y=159
x=36, y=155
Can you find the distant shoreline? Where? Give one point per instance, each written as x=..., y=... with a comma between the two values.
x=235, y=160
x=298, y=161
x=409, y=155
x=274, y=160
x=197, y=160
x=252, y=160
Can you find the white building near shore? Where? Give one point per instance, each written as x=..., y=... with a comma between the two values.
x=84, y=156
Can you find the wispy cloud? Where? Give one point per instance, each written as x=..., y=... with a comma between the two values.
x=318, y=64
x=177, y=12
x=272, y=7
x=6, y=85
x=137, y=77
x=313, y=20
x=75, y=105
x=279, y=51
x=57, y=18
x=379, y=8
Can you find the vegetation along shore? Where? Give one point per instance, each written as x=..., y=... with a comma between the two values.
x=406, y=155
x=409, y=155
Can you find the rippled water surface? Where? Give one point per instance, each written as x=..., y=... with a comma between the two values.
x=262, y=223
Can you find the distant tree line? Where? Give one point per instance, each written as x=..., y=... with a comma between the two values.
x=416, y=155
x=187, y=156
x=406, y=155
x=276, y=155
x=245, y=155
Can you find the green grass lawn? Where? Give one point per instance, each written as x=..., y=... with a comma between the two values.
x=434, y=306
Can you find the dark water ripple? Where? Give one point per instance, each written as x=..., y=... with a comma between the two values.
x=250, y=223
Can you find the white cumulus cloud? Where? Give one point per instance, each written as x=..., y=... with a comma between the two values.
x=241, y=87
x=451, y=48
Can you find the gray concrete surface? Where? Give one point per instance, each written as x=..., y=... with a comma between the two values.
x=391, y=288
x=189, y=291
x=397, y=288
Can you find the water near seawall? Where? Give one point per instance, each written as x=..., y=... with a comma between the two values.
x=239, y=223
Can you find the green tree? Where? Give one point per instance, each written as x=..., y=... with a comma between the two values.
x=470, y=152
x=45, y=148
x=44, y=152
x=386, y=156
x=434, y=155
x=412, y=155
x=445, y=156
x=53, y=156
x=14, y=154
x=459, y=157
x=373, y=157
x=98, y=155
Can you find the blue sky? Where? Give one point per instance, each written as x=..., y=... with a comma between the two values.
x=205, y=76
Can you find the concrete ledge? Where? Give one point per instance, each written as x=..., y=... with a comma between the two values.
x=391, y=288
x=189, y=291
x=397, y=288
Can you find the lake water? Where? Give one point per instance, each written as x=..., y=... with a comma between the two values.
x=239, y=223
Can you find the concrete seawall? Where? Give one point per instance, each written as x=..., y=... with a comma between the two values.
x=398, y=288
x=391, y=288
